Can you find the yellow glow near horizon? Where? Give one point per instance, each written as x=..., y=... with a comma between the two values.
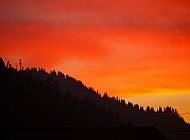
x=177, y=101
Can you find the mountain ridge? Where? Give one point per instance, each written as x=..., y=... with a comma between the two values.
x=164, y=120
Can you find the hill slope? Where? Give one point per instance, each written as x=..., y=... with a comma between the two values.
x=33, y=98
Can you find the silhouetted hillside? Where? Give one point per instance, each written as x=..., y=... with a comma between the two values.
x=30, y=103
x=33, y=98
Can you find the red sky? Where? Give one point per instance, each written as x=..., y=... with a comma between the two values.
x=129, y=48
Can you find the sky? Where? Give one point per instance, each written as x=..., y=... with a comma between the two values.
x=138, y=50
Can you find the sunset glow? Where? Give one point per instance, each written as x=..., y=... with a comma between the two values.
x=138, y=50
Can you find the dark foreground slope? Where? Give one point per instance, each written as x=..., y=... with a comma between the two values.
x=34, y=109
x=132, y=133
x=30, y=103
x=167, y=120
x=32, y=99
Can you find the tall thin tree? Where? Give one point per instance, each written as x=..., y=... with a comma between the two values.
x=20, y=63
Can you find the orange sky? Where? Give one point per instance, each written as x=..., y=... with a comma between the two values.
x=138, y=50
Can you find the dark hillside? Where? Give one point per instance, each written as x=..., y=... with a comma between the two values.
x=30, y=103
x=35, y=99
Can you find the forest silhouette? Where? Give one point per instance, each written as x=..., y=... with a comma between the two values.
x=35, y=99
